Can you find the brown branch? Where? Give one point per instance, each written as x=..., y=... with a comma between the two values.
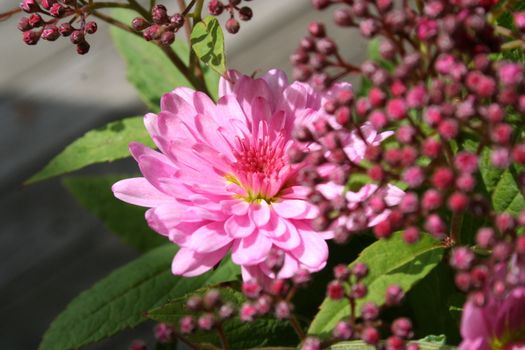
x=8, y=14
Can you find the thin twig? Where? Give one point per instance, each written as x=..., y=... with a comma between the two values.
x=168, y=51
x=455, y=227
x=224, y=339
x=297, y=327
x=6, y=15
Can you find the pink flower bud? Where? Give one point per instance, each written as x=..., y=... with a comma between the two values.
x=215, y=7
x=411, y=235
x=370, y=335
x=396, y=109
x=394, y=295
x=163, y=333
x=311, y=343
x=402, y=327
x=251, y=289
x=206, y=322
x=457, y=202
x=442, y=178
x=461, y=258
x=466, y=162
x=282, y=310
x=342, y=331
x=369, y=311
x=335, y=290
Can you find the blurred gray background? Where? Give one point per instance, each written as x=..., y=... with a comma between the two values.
x=50, y=248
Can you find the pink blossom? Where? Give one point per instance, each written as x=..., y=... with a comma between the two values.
x=499, y=324
x=221, y=180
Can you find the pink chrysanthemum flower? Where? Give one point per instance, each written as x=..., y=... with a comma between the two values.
x=498, y=325
x=222, y=181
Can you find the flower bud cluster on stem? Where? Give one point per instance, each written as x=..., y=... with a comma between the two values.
x=50, y=19
x=364, y=324
x=234, y=10
x=444, y=107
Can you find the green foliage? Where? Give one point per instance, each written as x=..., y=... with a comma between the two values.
x=359, y=345
x=390, y=262
x=149, y=69
x=207, y=40
x=431, y=300
x=121, y=300
x=264, y=331
x=502, y=186
x=104, y=144
x=374, y=54
x=125, y=220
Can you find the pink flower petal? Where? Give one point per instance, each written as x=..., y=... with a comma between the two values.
x=295, y=209
x=190, y=263
x=226, y=81
x=139, y=191
x=251, y=250
x=208, y=238
x=260, y=213
x=277, y=81
x=239, y=226
x=290, y=239
x=313, y=251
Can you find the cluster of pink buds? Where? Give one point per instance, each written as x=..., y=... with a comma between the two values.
x=207, y=312
x=318, y=59
x=499, y=272
x=46, y=21
x=162, y=27
x=439, y=114
x=348, y=284
x=245, y=13
x=443, y=88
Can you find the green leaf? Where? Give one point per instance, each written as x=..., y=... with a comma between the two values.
x=149, y=69
x=502, y=186
x=375, y=55
x=359, y=345
x=264, y=331
x=430, y=301
x=390, y=262
x=125, y=220
x=121, y=300
x=104, y=144
x=207, y=40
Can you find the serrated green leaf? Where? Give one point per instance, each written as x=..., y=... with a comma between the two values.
x=104, y=144
x=149, y=69
x=125, y=220
x=502, y=186
x=264, y=331
x=390, y=262
x=359, y=345
x=121, y=300
x=207, y=40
